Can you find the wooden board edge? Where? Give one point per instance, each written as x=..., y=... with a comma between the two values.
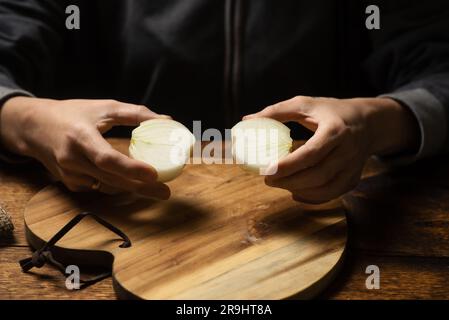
x=121, y=292
x=321, y=285
x=309, y=293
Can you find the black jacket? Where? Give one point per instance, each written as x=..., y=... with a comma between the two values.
x=216, y=60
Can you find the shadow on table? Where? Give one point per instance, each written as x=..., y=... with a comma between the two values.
x=403, y=210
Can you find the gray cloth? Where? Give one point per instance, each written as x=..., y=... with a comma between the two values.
x=432, y=119
x=5, y=94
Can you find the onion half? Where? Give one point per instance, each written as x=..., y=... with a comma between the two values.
x=164, y=144
x=259, y=143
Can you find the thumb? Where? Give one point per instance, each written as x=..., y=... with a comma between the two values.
x=125, y=114
x=288, y=110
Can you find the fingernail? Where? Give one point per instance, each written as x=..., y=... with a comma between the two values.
x=271, y=170
x=149, y=175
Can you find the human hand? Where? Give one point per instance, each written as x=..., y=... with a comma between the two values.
x=66, y=137
x=347, y=132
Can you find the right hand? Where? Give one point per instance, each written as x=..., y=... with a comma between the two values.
x=66, y=137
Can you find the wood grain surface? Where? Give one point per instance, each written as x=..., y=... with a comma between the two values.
x=398, y=219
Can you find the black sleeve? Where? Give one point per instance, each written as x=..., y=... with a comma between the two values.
x=30, y=42
x=410, y=63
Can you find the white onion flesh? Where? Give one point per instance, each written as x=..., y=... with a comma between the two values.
x=164, y=144
x=259, y=143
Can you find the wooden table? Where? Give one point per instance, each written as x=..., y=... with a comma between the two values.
x=398, y=220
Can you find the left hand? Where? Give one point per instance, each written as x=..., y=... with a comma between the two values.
x=347, y=133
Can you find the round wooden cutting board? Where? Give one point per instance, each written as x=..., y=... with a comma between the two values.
x=223, y=235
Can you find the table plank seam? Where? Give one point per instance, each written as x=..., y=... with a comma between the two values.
x=396, y=254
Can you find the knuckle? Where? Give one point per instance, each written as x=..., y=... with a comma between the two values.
x=299, y=99
x=71, y=183
x=303, y=100
x=312, y=151
x=75, y=134
x=114, y=109
x=112, y=103
x=141, y=109
x=273, y=108
x=110, y=108
x=103, y=159
x=343, y=131
x=63, y=158
x=338, y=128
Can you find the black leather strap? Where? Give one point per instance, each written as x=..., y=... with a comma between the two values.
x=44, y=255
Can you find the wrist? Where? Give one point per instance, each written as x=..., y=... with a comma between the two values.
x=391, y=126
x=15, y=116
